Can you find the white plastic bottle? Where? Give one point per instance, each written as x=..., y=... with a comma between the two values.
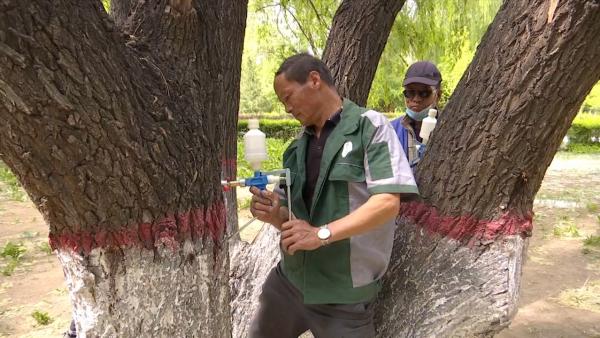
x=255, y=145
x=428, y=124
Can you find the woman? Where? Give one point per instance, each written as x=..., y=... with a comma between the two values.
x=422, y=91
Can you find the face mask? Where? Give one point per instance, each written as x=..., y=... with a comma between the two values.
x=419, y=115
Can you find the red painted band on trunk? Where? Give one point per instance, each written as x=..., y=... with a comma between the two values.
x=170, y=231
x=466, y=228
x=229, y=169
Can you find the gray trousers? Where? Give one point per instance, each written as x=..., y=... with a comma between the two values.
x=282, y=314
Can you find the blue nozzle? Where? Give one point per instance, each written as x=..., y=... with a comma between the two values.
x=259, y=180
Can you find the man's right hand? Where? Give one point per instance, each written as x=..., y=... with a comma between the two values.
x=265, y=206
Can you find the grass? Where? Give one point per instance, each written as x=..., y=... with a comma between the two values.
x=45, y=248
x=566, y=228
x=41, y=317
x=581, y=148
x=12, y=254
x=592, y=207
x=10, y=267
x=566, y=231
x=568, y=195
x=586, y=297
x=591, y=245
x=12, y=251
x=592, y=241
x=10, y=185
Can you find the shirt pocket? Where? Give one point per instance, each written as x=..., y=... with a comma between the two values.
x=347, y=171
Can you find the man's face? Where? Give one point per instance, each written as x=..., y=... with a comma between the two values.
x=300, y=100
x=419, y=96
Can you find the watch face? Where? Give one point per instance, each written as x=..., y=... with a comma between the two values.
x=324, y=233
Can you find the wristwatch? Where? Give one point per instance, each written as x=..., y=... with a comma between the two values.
x=324, y=234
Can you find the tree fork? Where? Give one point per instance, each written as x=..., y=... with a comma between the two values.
x=456, y=266
x=352, y=53
x=113, y=135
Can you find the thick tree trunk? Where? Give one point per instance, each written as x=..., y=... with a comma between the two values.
x=358, y=36
x=457, y=260
x=250, y=265
x=116, y=129
x=456, y=265
x=355, y=44
x=136, y=292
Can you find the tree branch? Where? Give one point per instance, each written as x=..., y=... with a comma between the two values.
x=318, y=15
x=359, y=33
x=301, y=27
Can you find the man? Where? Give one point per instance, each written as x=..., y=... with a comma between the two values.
x=348, y=172
x=422, y=91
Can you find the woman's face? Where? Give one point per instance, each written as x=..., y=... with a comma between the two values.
x=418, y=96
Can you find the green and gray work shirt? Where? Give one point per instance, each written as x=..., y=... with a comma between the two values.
x=362, y=157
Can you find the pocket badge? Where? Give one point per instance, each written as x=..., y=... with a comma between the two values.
x=347, y=148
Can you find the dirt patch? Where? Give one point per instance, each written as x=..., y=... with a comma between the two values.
x=36, y=283
x=559, y=275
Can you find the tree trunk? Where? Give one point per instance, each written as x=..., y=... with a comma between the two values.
x=352, y=52
x=250, y=265
x=456, y=266
x=115, y=129
x=358, y=36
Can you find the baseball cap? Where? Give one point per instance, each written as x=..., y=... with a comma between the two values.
x=423, y=72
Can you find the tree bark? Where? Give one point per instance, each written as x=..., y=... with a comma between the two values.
x=115, y=129
x=250, y=265
x=355, y=44
x=456, y=266
x=356, y=41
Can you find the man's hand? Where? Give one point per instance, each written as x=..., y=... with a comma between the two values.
x=265, y=206
x=299, y=235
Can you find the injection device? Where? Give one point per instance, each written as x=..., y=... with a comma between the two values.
x=255, y=152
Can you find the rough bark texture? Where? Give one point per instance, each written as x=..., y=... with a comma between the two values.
x=438, y=287
x=513, y=106
x=457, y=260
x=457, y=272
x=356, y=41
x=115, y=129
x=162, y=294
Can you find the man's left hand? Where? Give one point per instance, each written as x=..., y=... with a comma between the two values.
x=299, y=235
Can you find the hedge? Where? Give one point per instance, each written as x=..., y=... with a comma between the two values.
x=277, y=128
x=282, y=129
x=585, y=128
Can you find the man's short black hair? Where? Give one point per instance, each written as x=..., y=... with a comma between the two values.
x=297, y=67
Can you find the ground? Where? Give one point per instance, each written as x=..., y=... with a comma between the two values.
x=560, y=294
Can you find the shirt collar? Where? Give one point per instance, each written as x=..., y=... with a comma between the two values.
x=333, y=121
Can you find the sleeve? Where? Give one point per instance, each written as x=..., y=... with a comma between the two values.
x=402, y=134
x=386, y=167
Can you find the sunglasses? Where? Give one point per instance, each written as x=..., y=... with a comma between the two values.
x=410, y=93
